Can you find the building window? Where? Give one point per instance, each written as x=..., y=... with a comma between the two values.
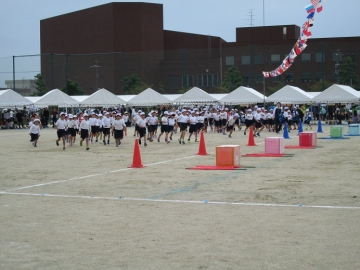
x=259, y=59
x=245, y=60
x=245, y=79
x=319, y=57
x=207, y=80
x=306, y=57
x=276, y=79
x=275, y=58
x=174, y=81
x=289, y=77
x=229, y=60
x=188, y=81
x=319, y=76
x=351, y=55
x=259, y=78
x=306, y=77
x=337, y=56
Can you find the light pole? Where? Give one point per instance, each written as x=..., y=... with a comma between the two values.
x=96, y=66
x=337, y=67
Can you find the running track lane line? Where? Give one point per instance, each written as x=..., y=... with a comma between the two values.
x=182, y=201
x=98, y=174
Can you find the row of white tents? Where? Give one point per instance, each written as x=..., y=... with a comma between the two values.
x=149, y=97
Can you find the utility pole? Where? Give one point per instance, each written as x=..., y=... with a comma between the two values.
x=97, y=75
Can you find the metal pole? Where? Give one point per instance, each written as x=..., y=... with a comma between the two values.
x=323, y=65
x=251, y=65
x=186, y=81
x=66, y=72
x=52, y=70
x=220, y=63
x=14, y=73
x=264, y=89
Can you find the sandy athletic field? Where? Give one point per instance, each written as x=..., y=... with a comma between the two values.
x=61, y=209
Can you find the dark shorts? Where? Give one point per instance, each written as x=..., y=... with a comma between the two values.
x=217, y=123
x=206, y=121
x=237, y=121
x=99, y=129
x=192, y=128
x=84, y=134
x=199, y=126
x=72, y=132
x=258, y=124
x=106, y=131
x=290, y=122
x=118, y=134
x=93, y=129
x=183, y=126
x=142, y=131
x=170, y=128
x=164, y=128
x=136, y=127
x=229, y=128
x=248, y=123
x=34, y=136
x=263, y=121
x=61, y=133
x=211, y=121
x=153, y=128
x=223, y=122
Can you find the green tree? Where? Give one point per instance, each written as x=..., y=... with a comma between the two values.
x=40, y=83
x=273, y=89
x=232, y=80
x=347, y=72
x=134, y=85
x=318, y=86
x=73, y=89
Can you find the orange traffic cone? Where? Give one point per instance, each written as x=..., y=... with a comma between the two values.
x=251, y=141
x=136, y=157
x=202, y=147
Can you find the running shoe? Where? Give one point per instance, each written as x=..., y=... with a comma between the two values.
x=230, y=136
x=244, y=132
x=80, y=143
x=188, y=140
x=258, y=134
x=140, y=142
x=145, y=144
x=64, y=148
x=170, y=138
x=196, y=141
x=57, y=143
x=108, y=142
x=158, y=140
x=87, y=148
x=179, y=141
x=183, y=142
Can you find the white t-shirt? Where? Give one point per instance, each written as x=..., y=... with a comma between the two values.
x=153, y=120
x=141, y=123
x=183, y=118
x=164, y=120
x=71, y=123
x=249, y=116
x=171, y=121
x=193, y=120
x=106, y=122
x=85, y=124
x=92, y=121
x=34, y=129
x=61, y=124
x=231, y=120
x=119, y=124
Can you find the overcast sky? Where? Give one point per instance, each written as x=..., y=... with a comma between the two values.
x=20, y=20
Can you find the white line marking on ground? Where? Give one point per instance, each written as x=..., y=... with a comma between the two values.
x=182, y=201
x=98, y=174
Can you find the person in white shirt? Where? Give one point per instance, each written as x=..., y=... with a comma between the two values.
x=152, y=125
x=119, y=129
x=125, y=117
x=61, y=127
x=93, y=121
x=106, y=124
x=34, y=132
x=200, y=121
x=183, y=121
x=164, y=127
x=258, y=124
x=216, y=116
x=135, y=118
x=231, y=123
x=71, y=129
x=76, y=127
x=249, y=120
x=193, y=121
x=224, y=117
x=172, y=124
x=84, y=130
x=141, y=124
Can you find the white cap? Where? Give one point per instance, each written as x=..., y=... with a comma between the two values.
x=118, y=114
x=236, y=115
x=166, y=112
x=85, y=114
x=37, y=120
x=70, y=116
x=142, y=113
x=62, y=113
x=100, y=115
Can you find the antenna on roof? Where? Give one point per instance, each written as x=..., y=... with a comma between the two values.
x=251, y=17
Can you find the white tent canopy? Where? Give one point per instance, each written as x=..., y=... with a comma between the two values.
x=126, y=97
x=171, y=97
x=102, y=97
x=338, y=93
x=9, y=98
x=195, y=95
x=149, y=97
x=243, y=95
x=290, y=94
x=56, y=97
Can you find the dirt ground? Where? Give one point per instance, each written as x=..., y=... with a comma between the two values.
x=78, y=209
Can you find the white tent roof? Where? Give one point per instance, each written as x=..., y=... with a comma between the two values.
x=172, y=97
x=195, y=95
x=56, y=97
x=9, y=98
x=218, y=96
x=102, y=97
x=338, y=93
x=243, y=95
x=33, y=99
x=149, y=97
x=80, y=98
x=313, y=94
x=290, y=94
x=126, y=97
